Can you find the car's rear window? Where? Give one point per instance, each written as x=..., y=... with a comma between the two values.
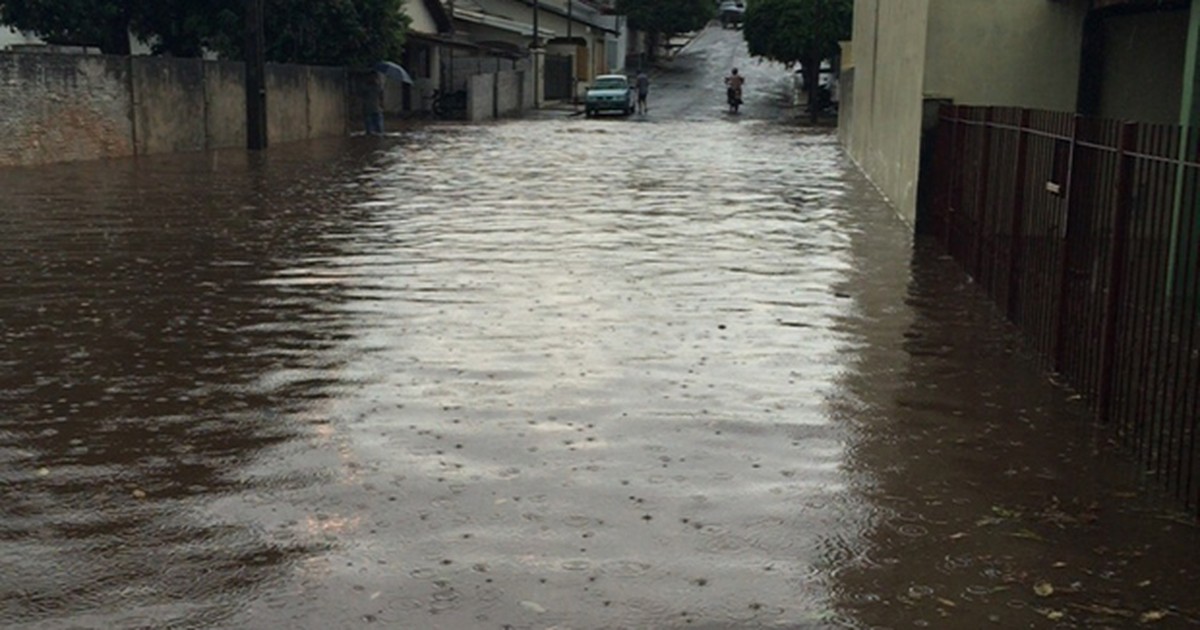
x=610, y=84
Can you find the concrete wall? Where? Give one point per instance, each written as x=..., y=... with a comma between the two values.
x=480, y=89
x=504, y=93
x=56, y=108
x=63, y=107
x=169, y=104
x=287, y=103
x=328, y=107
x=1016, y=52
x=508, y=93
x=986, y=52
x=225, y=98
x=1144, y=82
x=884, y=123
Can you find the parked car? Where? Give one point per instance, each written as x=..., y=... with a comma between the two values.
x=731, y=12
x=610, y=92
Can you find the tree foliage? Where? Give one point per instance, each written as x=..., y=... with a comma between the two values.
x=798, y=31
x=668, y=17
x=101, y=23
x=333, y=32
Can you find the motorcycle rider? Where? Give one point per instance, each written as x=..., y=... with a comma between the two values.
x=733, y=89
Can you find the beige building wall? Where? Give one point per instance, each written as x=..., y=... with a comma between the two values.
x=422, y=21
x=1142, y=82
x=975, y=52
x=1010, y=52
x=884, y=134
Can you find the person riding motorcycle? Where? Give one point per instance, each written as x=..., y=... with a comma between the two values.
x=733, y=89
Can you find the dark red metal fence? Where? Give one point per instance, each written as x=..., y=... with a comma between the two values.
x=1087, y=233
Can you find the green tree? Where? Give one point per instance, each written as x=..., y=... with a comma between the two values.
x=325, y=32
x=666, y=17
x=104, y=24
x=799, y=31
x=330, y=32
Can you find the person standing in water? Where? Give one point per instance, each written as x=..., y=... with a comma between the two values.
x=643, y=90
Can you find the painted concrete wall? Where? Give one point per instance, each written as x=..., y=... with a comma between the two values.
x=1016, y=52
x=508, y=93
x=497, y=95
x=287, y=103
x=986, y=52
x=1144, y=82
x=480, y=91
x=56, y=108
x=327, y=102
x=225, y=99
x=885, y=108
x=169, y=108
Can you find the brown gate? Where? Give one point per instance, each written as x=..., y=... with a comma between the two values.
x=1086, y=232
x=559, y=78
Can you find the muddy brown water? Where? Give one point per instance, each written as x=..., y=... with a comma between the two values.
x=546, y=373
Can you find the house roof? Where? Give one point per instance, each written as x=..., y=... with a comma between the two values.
x=574, y=14
x=438, y=12
x=498, y=22
x=581, y=12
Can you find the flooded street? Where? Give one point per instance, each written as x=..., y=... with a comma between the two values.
x=680, y=371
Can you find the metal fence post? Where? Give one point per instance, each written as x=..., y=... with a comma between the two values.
x=981, y=204
x=1121, y=213
x=1064, y=272
x=1017, y=240
x=952, y=200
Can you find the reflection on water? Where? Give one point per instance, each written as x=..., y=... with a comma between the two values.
x=543, y=373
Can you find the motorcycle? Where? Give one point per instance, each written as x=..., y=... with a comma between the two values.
x=734, y=97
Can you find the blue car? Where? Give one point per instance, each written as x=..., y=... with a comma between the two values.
x=610, y=93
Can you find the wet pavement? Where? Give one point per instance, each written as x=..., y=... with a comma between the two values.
x=679, y=371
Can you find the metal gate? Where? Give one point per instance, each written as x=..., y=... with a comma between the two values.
x=558, y=77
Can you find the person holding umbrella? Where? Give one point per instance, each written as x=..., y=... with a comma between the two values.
x=372, y=93
x=372, y=103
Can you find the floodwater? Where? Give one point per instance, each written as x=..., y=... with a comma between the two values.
x=680, y=371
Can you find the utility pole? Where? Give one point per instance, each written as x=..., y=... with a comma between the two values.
x=256, y=77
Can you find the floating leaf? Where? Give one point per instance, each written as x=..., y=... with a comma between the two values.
x=43, y=472
x=533, y=606
x=1028, y=534
x=1043, y=589
x=139, y=494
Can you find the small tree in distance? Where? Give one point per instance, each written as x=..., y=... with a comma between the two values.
x=666, y=17
x=799, y=31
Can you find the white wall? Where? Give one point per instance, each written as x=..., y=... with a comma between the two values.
x=9, y=37
x=422, y=22
x=889, y=75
